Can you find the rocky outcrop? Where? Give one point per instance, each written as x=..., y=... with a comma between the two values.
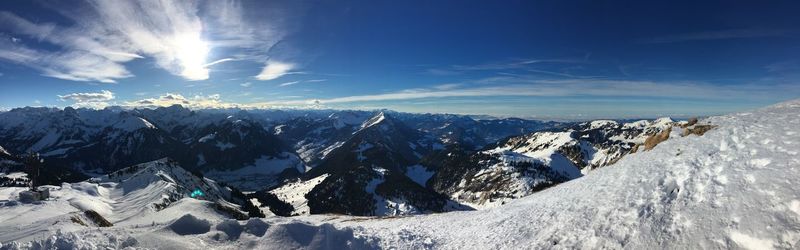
x=654, y=140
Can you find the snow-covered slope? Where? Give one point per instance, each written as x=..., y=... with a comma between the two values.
x=735, y=187
x=521, y=165
x=131, y=196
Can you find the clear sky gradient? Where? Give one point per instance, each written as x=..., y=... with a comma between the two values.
x=546, y=59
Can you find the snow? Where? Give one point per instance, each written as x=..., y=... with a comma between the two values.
x=601, y=124
x=261, y=174
x=419, y=174
x=49, y=139
x=294, y=193
x=279, y=129
x=363, y=146
x=653, y=199
x=207, y=137
x=330, y=148
x=188, y=224
x=736, y=187
x=131, y=123
x=543, y=147
x=372, y=121
x=224, y=145
x=345, y=118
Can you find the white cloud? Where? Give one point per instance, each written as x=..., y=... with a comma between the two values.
x=107, y=34
x=169, y=99
x=575, y=87
x=274, y=70
x=247, y=84
x=96, y=100
x=101, y=96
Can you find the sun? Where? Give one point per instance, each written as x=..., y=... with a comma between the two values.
x=191, y=53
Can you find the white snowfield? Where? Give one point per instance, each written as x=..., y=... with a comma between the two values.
x=737, y=187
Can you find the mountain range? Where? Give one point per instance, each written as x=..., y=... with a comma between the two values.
x=294, y=162
x=718, y=182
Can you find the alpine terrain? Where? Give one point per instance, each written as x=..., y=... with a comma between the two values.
x=718, y=182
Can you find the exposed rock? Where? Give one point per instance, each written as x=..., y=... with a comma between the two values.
x=97, y=218
x=654, y=140
x=78, y=220
x=697, y=130
x=691, y=122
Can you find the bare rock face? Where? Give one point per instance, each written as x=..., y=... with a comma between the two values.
x=691, y=122
x=98, y=219
x=654, y=140
x=698, y=130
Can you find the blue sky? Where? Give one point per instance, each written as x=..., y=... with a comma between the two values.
x=554, y=59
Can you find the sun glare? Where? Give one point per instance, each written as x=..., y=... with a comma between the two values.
x=191, y=53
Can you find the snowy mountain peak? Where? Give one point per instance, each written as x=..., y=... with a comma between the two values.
x=602, y=123
x=178, y=180
x=130, y=123
x=380, y=117
x=663, y=122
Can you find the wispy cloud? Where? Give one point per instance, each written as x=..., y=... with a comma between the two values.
x=577, y=87
x=68, y=65
x=539, y=66
x=448, y=86
x=246, y=84
x=306, y=81
x=288, y=83
x=105, y=35
x=721, y=34
x=274, y=70
x=519, y=63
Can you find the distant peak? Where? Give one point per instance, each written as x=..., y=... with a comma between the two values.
x=601, y=123
x=133, y=123
x=380, y=117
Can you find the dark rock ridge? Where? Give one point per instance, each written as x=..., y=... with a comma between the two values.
x=102, y=141
x=367, y=173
